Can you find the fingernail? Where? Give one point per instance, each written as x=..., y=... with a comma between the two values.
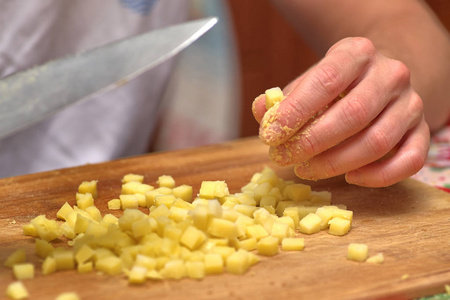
x=354, y=177
x=271, y=131
x=304, y=171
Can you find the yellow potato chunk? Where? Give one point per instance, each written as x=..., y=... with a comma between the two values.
x=85, y=267
x=64, y=211
x=297, y=192
x=46, y=229
x=84, y=200
x=174, y=269
x=16, y=290
x=88, y=187
x=238, y=262
x=357, y=252
x=183, y=192
x=68, y=296
x=132, y=177
x=129, y=201
x=43, y=248
x=256, y=231
x=49, y=265
x=17, y=257
x=222, y=228
x=376, y=259
x=213, y=189
x=29, y=229
x=166, y=181
x=292, y=244
x=84, y=254
x=135, y=187
x=137, y=275
x=214, y=263
x=273, y=96
x=248, y=244
x=64, y=259
x=23, y=271
x=192, y=238
x=339, y=226
x=310, y=224
x=280, y=230
x=268, y=246
x=111, y=265
x=195, y=269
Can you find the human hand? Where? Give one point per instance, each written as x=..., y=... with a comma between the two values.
x=375, y=134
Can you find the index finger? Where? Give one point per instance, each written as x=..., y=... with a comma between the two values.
x=342, y=65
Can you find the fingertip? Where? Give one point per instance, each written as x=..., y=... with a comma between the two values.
x=259, y=107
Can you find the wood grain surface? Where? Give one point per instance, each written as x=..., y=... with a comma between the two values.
x=408, y=222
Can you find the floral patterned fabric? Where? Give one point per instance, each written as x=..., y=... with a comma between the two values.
x=436, y=171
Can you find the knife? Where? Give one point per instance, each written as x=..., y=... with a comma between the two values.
x=29, y=96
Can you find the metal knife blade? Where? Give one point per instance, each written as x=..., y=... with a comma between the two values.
x=29, y=96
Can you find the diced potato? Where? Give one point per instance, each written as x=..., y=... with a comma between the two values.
x=166, y=200
x=248, y=244
x=192, y=238
x=114, y=204
x=84, y=254
x=84, y=200
x=214, y=263
x=183, y=192
x=111, y=265
x=195, y=269
x=268, y=201
x=68, y=296
x=17, y=257
x=339, y=226
x=297, y=192
x=166, y=181
x=43, y=248
x=23, y=271
x=261, y=190
x=64, y=259
x=238, y=262
x=273, y=96
x=292, y=244
x=16, y=290
x=132, y=177
x=268, y=246
x=30, y=230
x=137, y=275
x=46, y=229
x=174, y=269
x=310, y=224
x=247, y=210
x=81, y=224
x=129, y=201
x=357, y=252
x=85, y=267
x=376, y=259
x=135, y=187
x=49, y=265
x=88, y=187
x=280, y=230
x=64, y=211
x=256, y=231
x=213, y=189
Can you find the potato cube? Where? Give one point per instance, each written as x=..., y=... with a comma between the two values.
x=273, y=96
x=213, y=189
x=280, y=230
x=357, y=252
x=244, y=209
x=64, y=259
x=213, y=263
x=95, y=213
x=297, y=192
x=183, y=192
x=174, y=269
x=68, y=296
x=84, y=254
x=85, y=267
x=268, y=201
x=49, y=265
x=292, y=244
x=132, y=177
x=46, y=229
x=17, y=257
x=261, y=190
x=16, y=290
x=248, y=244
x=195, y=269
x=310, y=224
x=88, y=187
x=129, y=201
x=339, y=226
x=81, y=224
x=30, y=230
x=376, y=259
x=43, y=248
x=268, y=246
x=114, y=204
x=64, y=211
x=111, y=265
x=109, y=219
x=167, y=200
x=137, y=275
x=84, y=200
x=192, y=238
x=135, y=187
x=166, y=181
x=222, y=228
x=256, y=231
x=238, y=262
x=23, y=271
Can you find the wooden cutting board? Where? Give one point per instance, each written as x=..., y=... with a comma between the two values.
x=408, y=222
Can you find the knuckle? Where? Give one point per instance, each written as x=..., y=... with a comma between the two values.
x=400, y=73
x=415, y=160
x=327, y=80
x=363, y=46
x=378, y=142
x=354, y=112
x=416, y=105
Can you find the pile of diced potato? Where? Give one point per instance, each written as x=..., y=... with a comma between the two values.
x=167, y=232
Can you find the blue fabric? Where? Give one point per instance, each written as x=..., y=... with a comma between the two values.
x=142, y=7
